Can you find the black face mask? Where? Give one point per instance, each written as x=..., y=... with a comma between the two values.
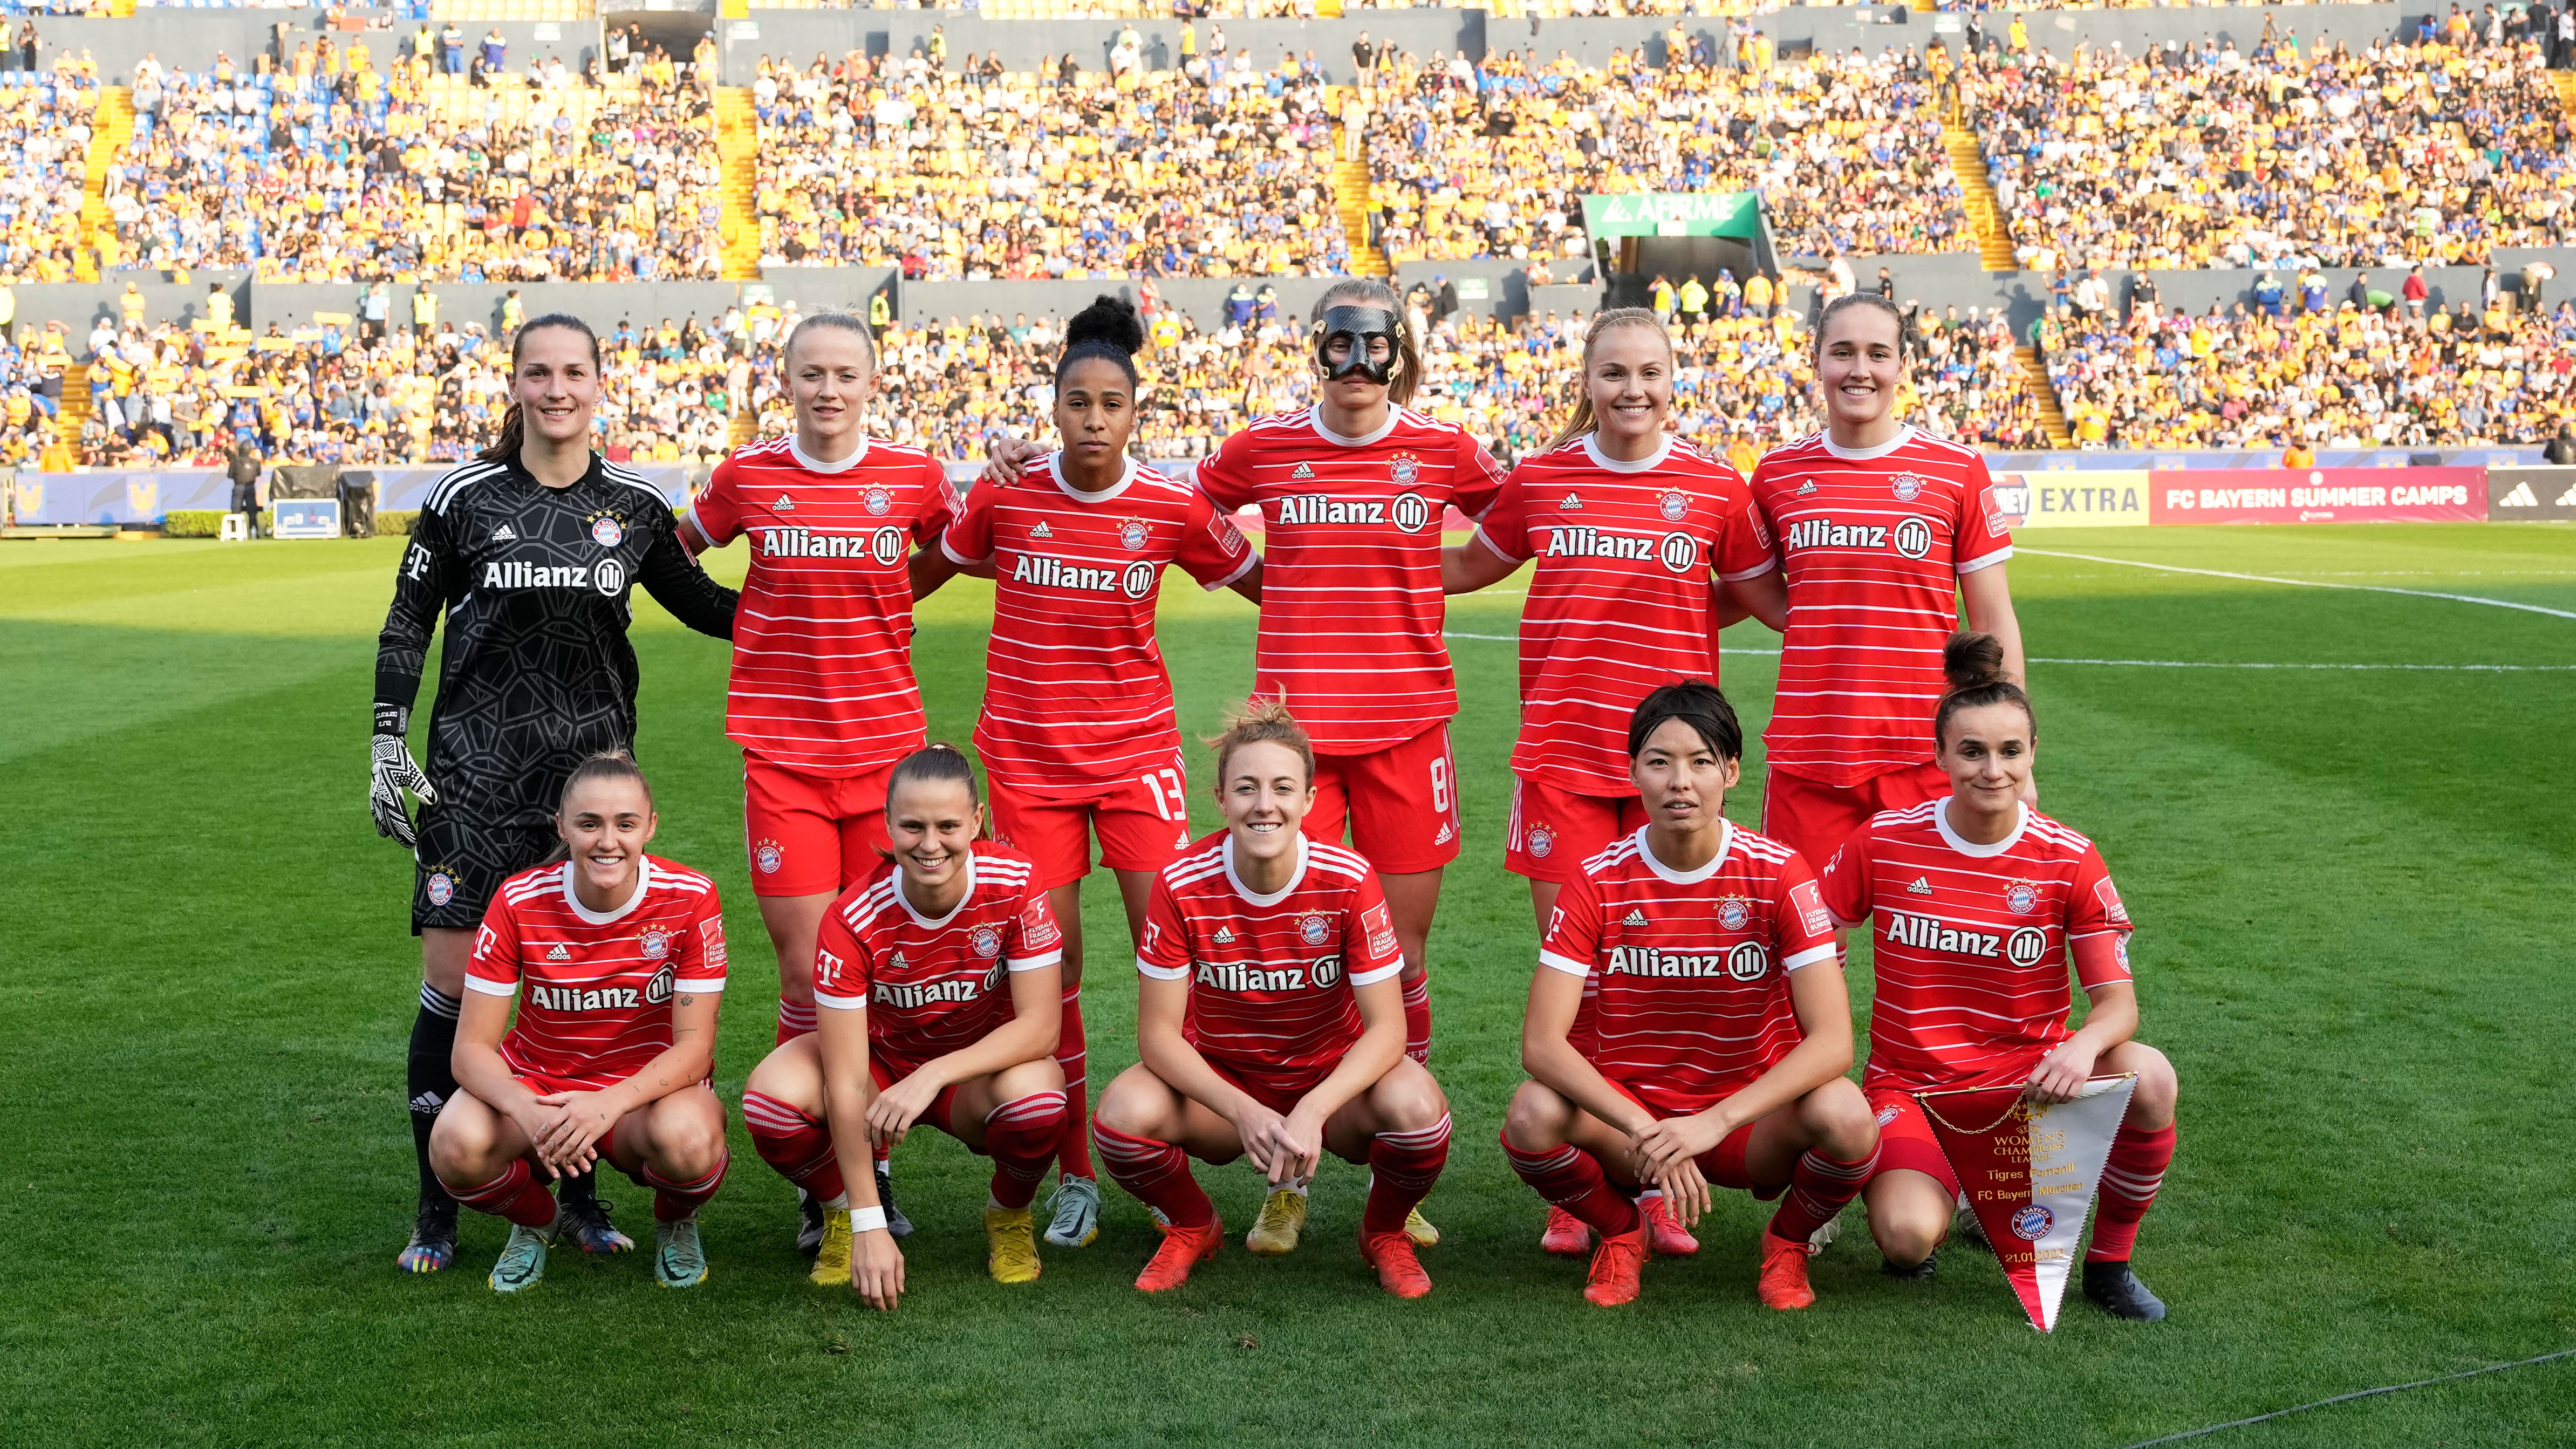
x=1359, y=324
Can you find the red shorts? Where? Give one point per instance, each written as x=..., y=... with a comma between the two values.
x=1401, y=803
x=810, y=835
x=1814, y=818
x=1141, y=824
x=886, y=1072
x=1278, y=1091
x=1553, y=832
x=1722, y=1165
x=1905, y=1139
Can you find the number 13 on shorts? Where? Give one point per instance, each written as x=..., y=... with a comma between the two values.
x=1171, y=798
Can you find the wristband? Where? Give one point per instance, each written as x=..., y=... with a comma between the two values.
x=392, y=719
x=867, y=1220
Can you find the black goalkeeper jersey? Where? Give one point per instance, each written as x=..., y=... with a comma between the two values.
x=537, y=673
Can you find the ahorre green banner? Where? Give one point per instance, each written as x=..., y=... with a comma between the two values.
x=1674, y=213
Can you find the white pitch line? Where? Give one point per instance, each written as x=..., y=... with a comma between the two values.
x=2178, y=663
x=2306, y=583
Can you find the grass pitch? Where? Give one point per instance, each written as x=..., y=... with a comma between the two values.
x=2352, y=888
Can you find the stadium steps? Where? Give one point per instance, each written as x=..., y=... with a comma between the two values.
x=2565, y=80
x=75, y=408
x=1351, y=194
x=112, y=128
x=738, y=143
x=121, y=9
x=2052, y=416
x=1977, y=197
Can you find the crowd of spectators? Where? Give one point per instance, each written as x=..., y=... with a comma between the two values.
x=2202, y=156
x=1214, y=168
x=45, y=121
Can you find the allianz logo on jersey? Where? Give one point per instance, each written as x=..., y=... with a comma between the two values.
x=1135, y=579
x=1912, y=537
x=1409, y=512
x=2023, y=947
x=1254, y=978
x=602, y=998
x=607, y=576
x=1744, y=962
x=1677, y=552
x=907, y=996
x=885, y=545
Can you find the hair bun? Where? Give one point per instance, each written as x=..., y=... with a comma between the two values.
x=1972, y=659
x=1111, y=321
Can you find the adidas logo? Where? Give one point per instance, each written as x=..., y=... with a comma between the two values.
x=1224, y=936
x=2521, y=497
x=559, y=954
x=1446, y=834
x=1303, y=471
x=428, y=1103
x=785, y=504
x=2568, y=498
x=901, y=964
x=505, y=534
x=1041, y=531
x=1572, y=500
x=1922, y=887
x=1807, y=487
x=1634, y=917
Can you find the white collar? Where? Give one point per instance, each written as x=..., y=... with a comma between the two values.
x=812, y=464
x=1055, y=470
x=1725, y=843
x=1951, y=838
x=1592, y=450
x=1904, y=435
x=906, y=901
x=1254, y=896
x=1339, y=441
x=643, y=883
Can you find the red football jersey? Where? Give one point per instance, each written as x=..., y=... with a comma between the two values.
x=1871, y=547
x=1620, y=600
x=822, y=643
x=1270, y=976
x=595, y=987
x=1972, y=942
x=1075, y=692
x=1350, y=576
x=931, y=986
x=1691, y=968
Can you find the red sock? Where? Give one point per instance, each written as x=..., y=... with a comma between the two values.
x=1158, y=1173
x=515, y=1194
x=1021, y=1134
x=2129, y=1181
x=1417, y=1018
x=795, y=1018
x=1572, y=1179
x=1402, y=1167
x=1073, y=1146
x=1819, y=1187
x=797, y=1145
x=673, y=1201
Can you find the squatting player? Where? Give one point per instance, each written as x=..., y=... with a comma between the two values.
x=822, y=698
x=616, y=961
x=1885, y=532
x=936, y=979
x=1719, y=1029
x=1269, y=1023
x=1078, y=735
x=1977, y=902
x=530, y=551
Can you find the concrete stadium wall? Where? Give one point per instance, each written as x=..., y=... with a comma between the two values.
x=1023, y=44
x=190, y=39
x=602, y=304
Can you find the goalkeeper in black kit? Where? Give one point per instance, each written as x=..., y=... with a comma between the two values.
x=530, y=550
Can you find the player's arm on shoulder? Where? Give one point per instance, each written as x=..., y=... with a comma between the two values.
x=678, y=584
x=1005, y=459
x=964, y=545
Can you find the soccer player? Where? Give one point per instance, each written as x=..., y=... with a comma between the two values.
x=937, y=980
x=1078, y=735
x=823, y=700
x=530, y=551
x=1269, y=1021
x=1719, y=1031
x=1977, y=904
x=616, y=961
x=1884, y=532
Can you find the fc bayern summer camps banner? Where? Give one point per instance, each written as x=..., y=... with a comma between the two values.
x=2320, y=495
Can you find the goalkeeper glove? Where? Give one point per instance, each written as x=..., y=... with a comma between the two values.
x=391, y=770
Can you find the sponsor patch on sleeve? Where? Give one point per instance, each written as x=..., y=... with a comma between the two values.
x=711, y=942
x=1810, y=906
x=2109, y=895
x=1380, y=928
x=1037, y=926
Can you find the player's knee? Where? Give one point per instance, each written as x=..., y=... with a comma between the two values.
x=1537, y=1119
x=2151, y=1105
x=689, y=1142
x=1042, y=1075
x=1907, y=1238
x=1408, y=1098
x=791, y=1073
x=461, y=1145
x=1133, y=1103
x=1839, y=1118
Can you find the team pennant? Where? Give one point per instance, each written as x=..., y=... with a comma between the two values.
x=2029, y=1170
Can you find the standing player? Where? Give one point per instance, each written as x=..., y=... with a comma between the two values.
x=616, y=960
x=1885, y=532
x=917, y=1026
x=1719, y=1030
x=1078, y=734
x=1269, y=1022
x=823, y=700
x=530, y=551
x=1977, y=903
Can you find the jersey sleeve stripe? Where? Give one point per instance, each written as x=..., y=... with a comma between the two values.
x=840, y=1003
x=1565, y=963
x=1250, y=557
x=1808, y=957
x=1969, y=566
x=490, y=988
x=1032, y=963
x=1166, y=973
x=1371, y=978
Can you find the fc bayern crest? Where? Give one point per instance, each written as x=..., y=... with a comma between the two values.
x=2020, y=897
x=1314, y=930
x=442, y=888
x=1673, y=506
x=986, y=942
x=1133, y=533
x=2033, y=1222
x=878, y=502
x=656, y=943
x=1732, y=913
x=1541, y=840
x=606, y=533
x=1404, y=468
x=769, y=856
x=1906, y=486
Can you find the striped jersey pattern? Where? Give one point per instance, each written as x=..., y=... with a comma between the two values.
x=594, y=988
x=1350, y=577
x=1076, y=695
x=1689, y=969
x=822, y=642
x=931, y=986
x=1972, y=942
x=1620, y=600
x=1871, y=549
x=1270, y=976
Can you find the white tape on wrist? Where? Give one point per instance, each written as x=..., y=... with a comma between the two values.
x=867, y=1220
